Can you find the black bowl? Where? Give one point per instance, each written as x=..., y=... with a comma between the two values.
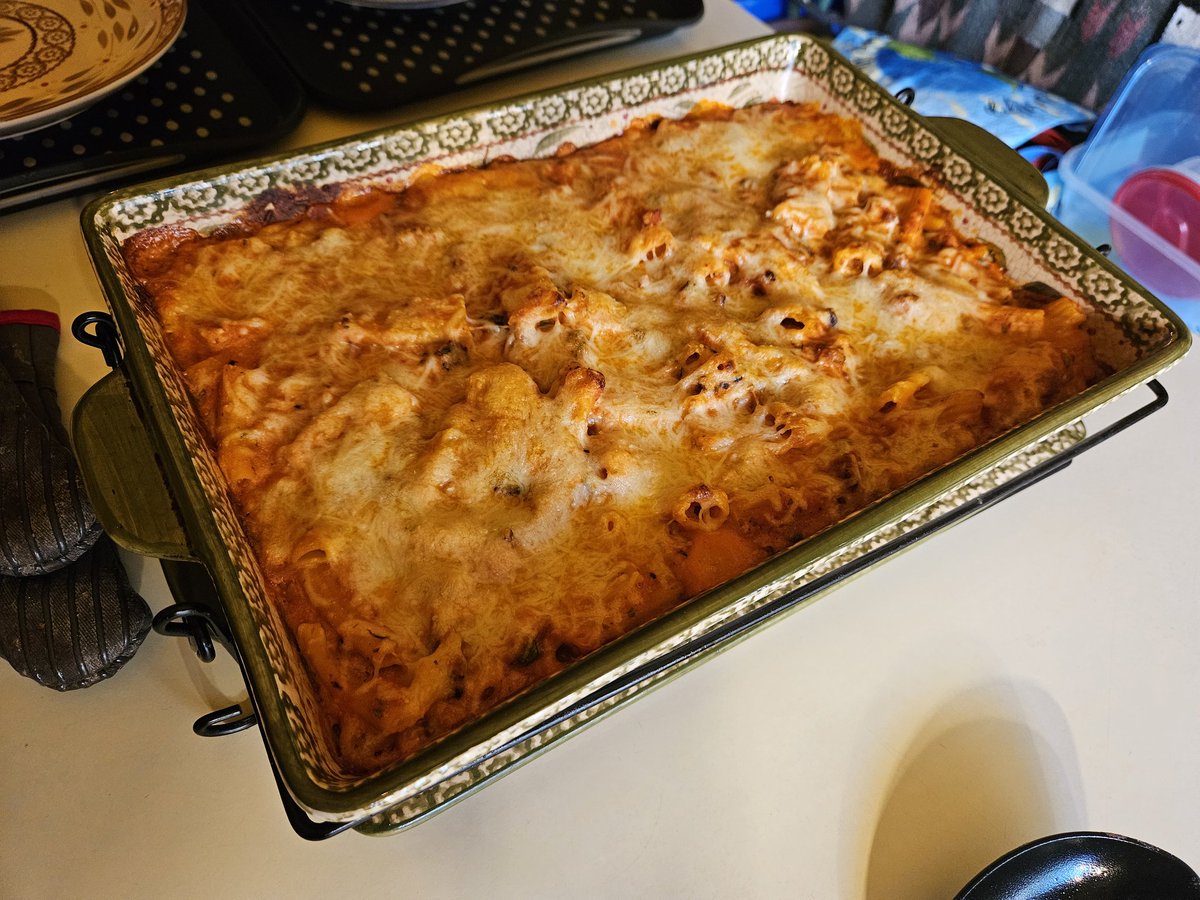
x=1085, y=865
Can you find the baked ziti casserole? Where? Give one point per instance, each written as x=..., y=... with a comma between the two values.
x=481, y=426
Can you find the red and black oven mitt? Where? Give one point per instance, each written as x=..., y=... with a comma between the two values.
x=68, y=616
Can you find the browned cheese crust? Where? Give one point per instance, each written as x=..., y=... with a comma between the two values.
x=481, y=427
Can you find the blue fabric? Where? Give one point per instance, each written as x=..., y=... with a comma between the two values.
x=948, y=86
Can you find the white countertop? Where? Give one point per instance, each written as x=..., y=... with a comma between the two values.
x=1033, y=670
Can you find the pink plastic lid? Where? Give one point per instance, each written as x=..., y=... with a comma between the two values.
x=1168, y=202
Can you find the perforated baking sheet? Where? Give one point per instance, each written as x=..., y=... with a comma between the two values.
x=360, y=58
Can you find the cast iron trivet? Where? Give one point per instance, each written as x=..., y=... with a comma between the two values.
x=220, y=89
x=366, y=59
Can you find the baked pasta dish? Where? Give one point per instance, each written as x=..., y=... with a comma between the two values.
x=483, y=425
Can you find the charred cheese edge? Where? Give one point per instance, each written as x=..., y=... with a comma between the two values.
x=481, y=427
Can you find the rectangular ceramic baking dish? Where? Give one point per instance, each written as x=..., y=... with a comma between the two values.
x=192, y=517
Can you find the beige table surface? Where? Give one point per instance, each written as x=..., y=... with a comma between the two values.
x=1034, y=670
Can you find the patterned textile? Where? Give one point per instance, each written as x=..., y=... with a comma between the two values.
x=947, y=85
x=1077, y=49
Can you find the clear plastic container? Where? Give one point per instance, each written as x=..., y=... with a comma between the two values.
x=1152, y=123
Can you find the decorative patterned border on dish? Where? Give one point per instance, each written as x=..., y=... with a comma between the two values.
x=785, y=67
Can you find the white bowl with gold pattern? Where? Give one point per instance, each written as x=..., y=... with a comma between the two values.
x=57, y=57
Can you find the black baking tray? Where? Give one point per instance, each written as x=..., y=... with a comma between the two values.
x=220, y=89
x=364, y=59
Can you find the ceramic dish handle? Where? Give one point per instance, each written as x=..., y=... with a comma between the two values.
x=120, y=470
x=1003, y=163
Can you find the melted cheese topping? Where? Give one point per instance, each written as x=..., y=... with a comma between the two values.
x=482, y=427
